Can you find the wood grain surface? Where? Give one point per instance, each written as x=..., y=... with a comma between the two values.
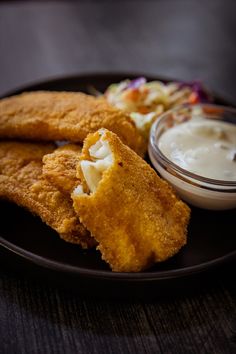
x=38, y=316
x=184, y=39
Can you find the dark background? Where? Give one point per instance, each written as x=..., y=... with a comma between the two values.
x=181, y=39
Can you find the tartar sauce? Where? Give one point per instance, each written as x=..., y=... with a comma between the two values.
x=203, y=146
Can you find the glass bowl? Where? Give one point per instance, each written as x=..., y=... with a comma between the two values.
x=203, y=192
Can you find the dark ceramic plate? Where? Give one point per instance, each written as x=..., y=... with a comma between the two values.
x=211, y=241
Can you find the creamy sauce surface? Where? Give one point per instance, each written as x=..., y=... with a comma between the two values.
x=203, y=146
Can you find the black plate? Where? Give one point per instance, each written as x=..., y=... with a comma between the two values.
x=211, y=239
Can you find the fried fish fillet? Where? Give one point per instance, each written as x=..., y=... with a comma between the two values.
x=133, y=214
x=59, y=167
x=21, y=182
x=45, y=115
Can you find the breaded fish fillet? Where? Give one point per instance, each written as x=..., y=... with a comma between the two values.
x=133, y=214
x=46, y=115
x=20, y=182
x=59, y=167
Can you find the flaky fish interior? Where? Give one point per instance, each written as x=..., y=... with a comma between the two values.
x=101, y=158
x=134, y=215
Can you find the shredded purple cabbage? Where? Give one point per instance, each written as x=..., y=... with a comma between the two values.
x=197, y=87
x=136, y=83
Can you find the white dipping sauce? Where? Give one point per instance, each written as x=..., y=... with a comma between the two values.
x=203, y=146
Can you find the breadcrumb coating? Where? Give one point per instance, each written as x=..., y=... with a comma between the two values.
x=45, y=115
x=21, y=182
x=59, y=167
x=134, y=215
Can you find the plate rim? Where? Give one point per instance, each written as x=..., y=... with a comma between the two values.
x=84, y=75
x=101, y=74
x=108, y=274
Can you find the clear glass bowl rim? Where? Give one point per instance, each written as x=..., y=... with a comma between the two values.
x=165, y=162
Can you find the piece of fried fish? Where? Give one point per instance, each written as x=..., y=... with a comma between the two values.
x=134, y=215
x=59, y=167
x=21, y=182
x=45, y=115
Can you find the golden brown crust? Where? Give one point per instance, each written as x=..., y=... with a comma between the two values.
x=68, y=116
x=59, y=167
x=134, y=215
x=20, y=182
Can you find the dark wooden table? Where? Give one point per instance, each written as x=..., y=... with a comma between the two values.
x=183, y=39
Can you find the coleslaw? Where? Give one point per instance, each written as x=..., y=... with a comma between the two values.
x=146, y=101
